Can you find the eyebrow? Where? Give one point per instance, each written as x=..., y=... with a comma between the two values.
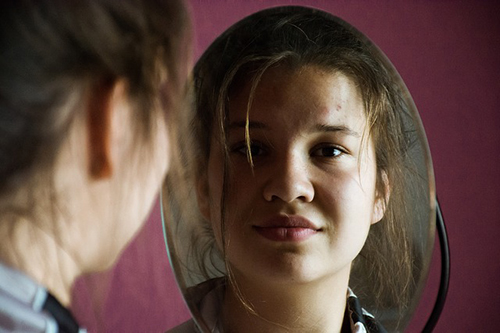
x=318, y=128
x=336, y=128
x=251, y=124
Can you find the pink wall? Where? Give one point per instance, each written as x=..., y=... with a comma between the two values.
x=447, y=54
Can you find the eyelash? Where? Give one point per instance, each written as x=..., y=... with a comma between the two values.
x=241, y=148
x=320, y=148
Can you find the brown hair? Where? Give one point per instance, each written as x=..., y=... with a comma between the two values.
x=386, y=273
x=55, y=53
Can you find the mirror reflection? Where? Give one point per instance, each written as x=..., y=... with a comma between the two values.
x=311, y=191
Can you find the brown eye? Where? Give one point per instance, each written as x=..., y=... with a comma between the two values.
x=328, y=151
x=255, y=150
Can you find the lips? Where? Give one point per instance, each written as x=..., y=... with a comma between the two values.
x=284, y=228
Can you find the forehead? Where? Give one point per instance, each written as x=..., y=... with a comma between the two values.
x=299, y=96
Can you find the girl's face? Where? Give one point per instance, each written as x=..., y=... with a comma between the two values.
x=304, y=211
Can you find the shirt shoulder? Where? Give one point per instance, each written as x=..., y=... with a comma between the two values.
x=21, y=303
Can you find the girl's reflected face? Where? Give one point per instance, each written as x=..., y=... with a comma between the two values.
x=304, y=211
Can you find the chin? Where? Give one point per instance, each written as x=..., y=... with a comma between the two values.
x=105, y=257
x=104, y=263
x=291, y=269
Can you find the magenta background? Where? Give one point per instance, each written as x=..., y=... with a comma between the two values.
x=447, y=52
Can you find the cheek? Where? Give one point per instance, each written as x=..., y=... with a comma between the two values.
x=156, y=167
x=166, y=151
x=152, y=164
x=348, y=208
x=162, y=148
x=214, y=194
x=348, y=199
x=239, y=194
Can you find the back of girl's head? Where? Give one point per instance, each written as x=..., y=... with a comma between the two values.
x=55, y=53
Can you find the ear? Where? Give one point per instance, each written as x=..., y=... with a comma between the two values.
x=202, y=195
x=103, y=100
x=380, y=199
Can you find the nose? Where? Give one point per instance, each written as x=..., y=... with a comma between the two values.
x=289, y=181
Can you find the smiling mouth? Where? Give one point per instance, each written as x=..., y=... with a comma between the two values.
x=286, y=234
x=285, y=228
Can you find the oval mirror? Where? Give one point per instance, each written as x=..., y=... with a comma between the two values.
x=304, y=190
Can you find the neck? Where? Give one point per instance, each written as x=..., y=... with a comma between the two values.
x=317, y=306
x=39, y=253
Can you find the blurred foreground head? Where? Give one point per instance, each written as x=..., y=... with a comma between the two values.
x=90, y=92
